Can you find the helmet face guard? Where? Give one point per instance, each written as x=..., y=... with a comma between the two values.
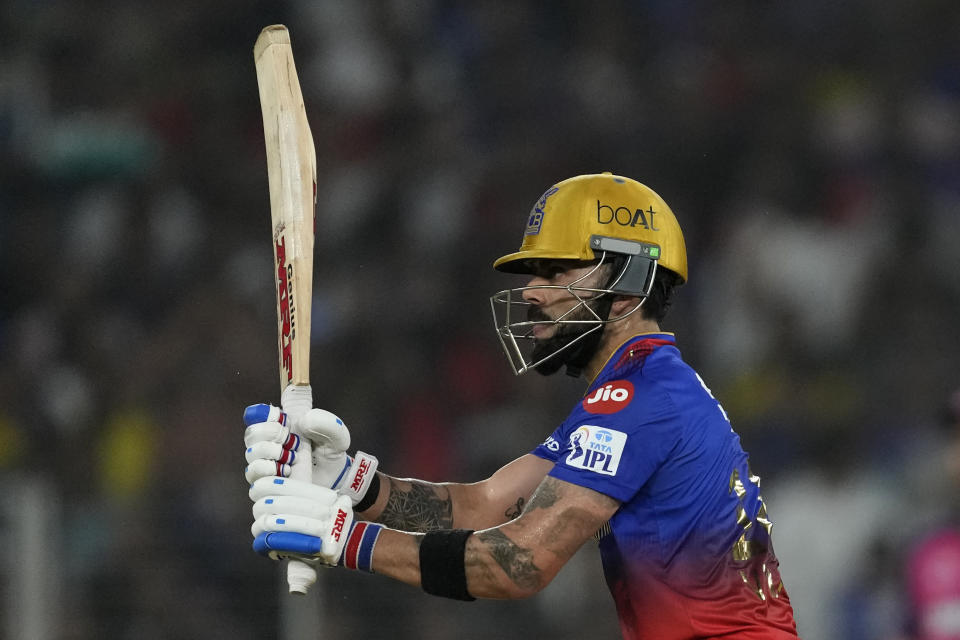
x=511, y=312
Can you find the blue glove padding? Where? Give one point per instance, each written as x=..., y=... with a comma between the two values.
x=256, y=413
x=297, y=518
x=357, y=555
x=275, y=544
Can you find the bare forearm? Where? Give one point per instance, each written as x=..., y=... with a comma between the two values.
x=397, y=556
x=499, y=566
x=518, y=559
x=495, y=566
x=412, y=505
x=515, y=559
x=419, y=506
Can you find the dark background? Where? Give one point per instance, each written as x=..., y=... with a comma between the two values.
x=810, y=150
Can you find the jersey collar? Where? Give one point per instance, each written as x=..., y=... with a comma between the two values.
x=633, y=350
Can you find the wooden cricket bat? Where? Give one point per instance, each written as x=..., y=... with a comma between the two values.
x=292, y=170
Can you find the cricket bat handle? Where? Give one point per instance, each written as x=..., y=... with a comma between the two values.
x=296, y=400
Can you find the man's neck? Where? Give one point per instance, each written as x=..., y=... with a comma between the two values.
x=614, y=335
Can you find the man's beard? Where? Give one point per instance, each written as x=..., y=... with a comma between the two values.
x=563, y=335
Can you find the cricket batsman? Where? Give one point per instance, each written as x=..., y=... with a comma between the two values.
x=646, y=463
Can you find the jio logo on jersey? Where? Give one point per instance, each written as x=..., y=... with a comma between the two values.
x=610, y=397
x=596, y=449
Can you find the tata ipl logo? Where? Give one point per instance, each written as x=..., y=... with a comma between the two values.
x=596, y=449
x=536, y=215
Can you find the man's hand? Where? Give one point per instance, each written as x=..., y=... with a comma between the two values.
x=299, y=519
x=272, y=443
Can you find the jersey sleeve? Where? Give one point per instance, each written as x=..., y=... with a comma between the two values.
x=550, y=448
x=615, y=453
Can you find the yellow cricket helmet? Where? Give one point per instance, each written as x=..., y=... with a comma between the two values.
x=600, y=212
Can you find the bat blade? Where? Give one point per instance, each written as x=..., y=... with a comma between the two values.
x=292, y=171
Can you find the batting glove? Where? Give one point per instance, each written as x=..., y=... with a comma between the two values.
x=300, y=520
x=272, y=441
x=293, y=518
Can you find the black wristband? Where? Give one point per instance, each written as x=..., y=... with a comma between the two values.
x=442, y=570
x=370, y=496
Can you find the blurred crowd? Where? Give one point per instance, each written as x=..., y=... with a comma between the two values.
x=811, y=152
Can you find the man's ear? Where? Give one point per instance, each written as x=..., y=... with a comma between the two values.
x=623, y=304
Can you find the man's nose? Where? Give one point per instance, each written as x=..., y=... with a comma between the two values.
x=533, y=293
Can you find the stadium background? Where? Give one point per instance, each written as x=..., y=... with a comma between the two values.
x=810, y=150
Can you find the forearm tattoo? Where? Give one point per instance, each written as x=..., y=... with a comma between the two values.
x=515, y=509
x=420, y=508
x=545, y=496
x=515, y=561
x=558, y=539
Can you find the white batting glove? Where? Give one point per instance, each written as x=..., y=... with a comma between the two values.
x=299, y=519
x=272, y=447
x=332, y=467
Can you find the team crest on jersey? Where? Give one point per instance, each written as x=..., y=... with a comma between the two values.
x=596, y=449
x=610, y=397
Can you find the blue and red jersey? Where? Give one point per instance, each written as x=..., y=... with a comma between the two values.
x=688, y=554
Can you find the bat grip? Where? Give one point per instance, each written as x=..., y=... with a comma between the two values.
x=296, y=400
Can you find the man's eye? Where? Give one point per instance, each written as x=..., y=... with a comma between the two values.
x=548, y=270
x=553, y=270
